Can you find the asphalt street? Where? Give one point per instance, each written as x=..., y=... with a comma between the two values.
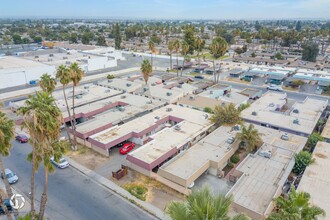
x=71, y=196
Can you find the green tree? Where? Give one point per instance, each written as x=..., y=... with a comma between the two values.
x=202, y=204
x=253, y=54
x=87, y=37
x=47, y=83
x=302, y=160
x=7, y=128
x=41, y=118
x=296, y=207
x=17, y=39
x=73, y=39
x=225, y=115
x=313, y=139
x=200, y=44
x=117, y=37
x=279, y=56
x=146, y=70
x=218, y=48
x=296, y=83
x=298, y=26
x=176, y=45
x=152, y=48
x=101, y=41
x=250, y=138
x=184, y=51
x=310, y=51
x=76, y=75
x=189, y=37
x=63, y=75
x=208, y=110
x=170, y=48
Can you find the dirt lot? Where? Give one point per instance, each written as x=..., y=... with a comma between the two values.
x=87, y=157
x=158, y=194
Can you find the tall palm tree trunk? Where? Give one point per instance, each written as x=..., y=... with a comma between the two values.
x=151, y=59
x=214, y=73
x=4, y=208
x=177, y=65
x=74, y=120
x=199, y=61
x=182, y=67
x=218, y=74
x=34, y=159
x=68, y=109
x=171, y=66
x=44, y=195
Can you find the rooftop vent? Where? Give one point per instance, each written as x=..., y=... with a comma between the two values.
x=296, y=111
x=109, y=80
x=65, y=58
x=149, y=102
x=191, y=98
x=86, y=87
x=107, y=90
x=169, y=109
x=157, y=117
x=67, y=62
x=177, y=127
x=211, y=91
x=123, y=96
x=254, y=113
x=79, y=96
x=296, y=121
x=237, y=128
x=271, y=104
x=153, y=84
x=168, y=93
x=128, y=84
x=51, y=55
x=36, y=57
x=50, y=59
x=206, y=116
x=266, y=154
x=145, y=89
x=179, y=86
x=121, y=108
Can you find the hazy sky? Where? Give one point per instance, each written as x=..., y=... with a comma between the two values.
x=172, y=9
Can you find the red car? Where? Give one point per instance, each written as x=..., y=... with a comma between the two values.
x=22, y=138
x=127, y=147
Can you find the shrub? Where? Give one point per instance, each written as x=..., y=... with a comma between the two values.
x=208, y=110
x=137, y=190
x=230, y=165
x=302, y=160
x=235, y=158
x=110, y=76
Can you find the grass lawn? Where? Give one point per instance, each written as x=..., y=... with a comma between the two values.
x=137, y=190
x=208, y=56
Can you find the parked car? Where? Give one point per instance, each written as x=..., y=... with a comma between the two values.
x=199, y=77
x=274, y=88
x=6, y=202
x=11, y=176
x=62, y=163
x=127, y=147
x=285, y=137
x=22, y=138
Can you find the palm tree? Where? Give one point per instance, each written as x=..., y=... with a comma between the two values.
x=170, y=48
x=218, y=48
x=152, y=48
x=295, y=207
x=199, y=47
x=62, y=73
x=225, y=115
x=146, y=70
x=184, y=51
x=40, y=117
x=47, y=83
x=250, y=137
x=76, y=75
x=7, y=128
x=202, y=204
x=176, y=45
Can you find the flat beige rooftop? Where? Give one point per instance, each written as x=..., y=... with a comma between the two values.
x=11, y=62
x=261, y=177
x=213, y=147
x=201, y=101
x=326, y=130
x=310, y=111
x=146, y=121
x=316, y=178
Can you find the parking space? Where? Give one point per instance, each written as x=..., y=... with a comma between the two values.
x=308, y=88
x=114, y=162
x=216, y=184
x=258, y=81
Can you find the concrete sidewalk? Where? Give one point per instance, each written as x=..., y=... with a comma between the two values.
x=86, y=79
x=117, y=190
